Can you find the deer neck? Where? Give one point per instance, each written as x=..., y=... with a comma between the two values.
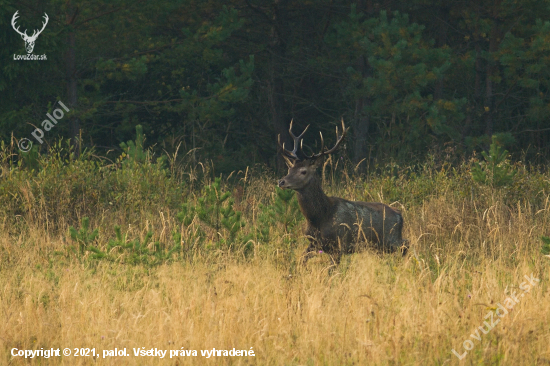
x=315, y=205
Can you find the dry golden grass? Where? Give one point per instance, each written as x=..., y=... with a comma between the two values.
x=466, y=256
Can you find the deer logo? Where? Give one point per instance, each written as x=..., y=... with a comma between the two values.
x=29, y=40
x=335, y=225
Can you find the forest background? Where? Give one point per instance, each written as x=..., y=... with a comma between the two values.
x=224, y=78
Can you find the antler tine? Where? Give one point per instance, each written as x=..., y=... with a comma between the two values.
x=292, y=135
x=297, y=143
x=282, y=146
x=43, y=26
x=315, y=156
x=339, y=139
x=45, y=23
x=13, y=20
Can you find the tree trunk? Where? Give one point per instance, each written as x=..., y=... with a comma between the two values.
x=71, y=78
x=474, y=103
x=276, y=83
x=361, y=122
x=361, y=130
x=441, y=41
x=491, y=68
x=361, y=119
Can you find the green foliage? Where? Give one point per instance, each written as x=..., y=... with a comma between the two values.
x=31, y=158
x=186, y=215
x=136, y=252
x=185, y=218
x=231, y=220
x=495, y=171
x=67, y=185
x=281, y=215
x=211, y=203
x=83, y=237
x=283, y=211
x=545, y=249
x=215, y=209
x=134, y=150
x=406, y=76
x=121, y=249
x=523, y=59
x=403, y=67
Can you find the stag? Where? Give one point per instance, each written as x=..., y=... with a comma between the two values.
x=335, y=225
x=29, y=40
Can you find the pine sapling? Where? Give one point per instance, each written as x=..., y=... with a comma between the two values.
x=84, y=237
x=495, y=170
x=545, y=249
x=134, y=151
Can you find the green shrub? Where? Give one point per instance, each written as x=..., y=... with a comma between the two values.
x=83, y=237
x=495, y=171
x=121, y=249
x=215, y=209
x=283, y=211
x=545, y=249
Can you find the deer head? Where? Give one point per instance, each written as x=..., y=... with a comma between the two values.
x=29, y=40
x=302, y=167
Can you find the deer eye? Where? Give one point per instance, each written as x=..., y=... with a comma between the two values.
x=303, y=172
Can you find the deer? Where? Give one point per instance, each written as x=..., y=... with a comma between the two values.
x=29, y=40
x=336, y=225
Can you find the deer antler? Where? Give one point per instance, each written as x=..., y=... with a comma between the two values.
x=339, y=139
x=43, y=26
x=297, y=142
x=13, y=19
x=24, y=34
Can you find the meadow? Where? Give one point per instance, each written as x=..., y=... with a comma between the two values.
x=192, y=268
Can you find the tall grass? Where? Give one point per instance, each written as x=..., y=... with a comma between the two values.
x=471, y=246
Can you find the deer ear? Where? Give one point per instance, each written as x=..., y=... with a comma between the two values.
x=316, y=163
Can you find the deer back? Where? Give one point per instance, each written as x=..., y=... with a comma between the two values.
x=367, y=221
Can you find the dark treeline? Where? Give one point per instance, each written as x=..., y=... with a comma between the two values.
x=225, y=77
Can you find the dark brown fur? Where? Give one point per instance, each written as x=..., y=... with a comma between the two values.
x=338, y=226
